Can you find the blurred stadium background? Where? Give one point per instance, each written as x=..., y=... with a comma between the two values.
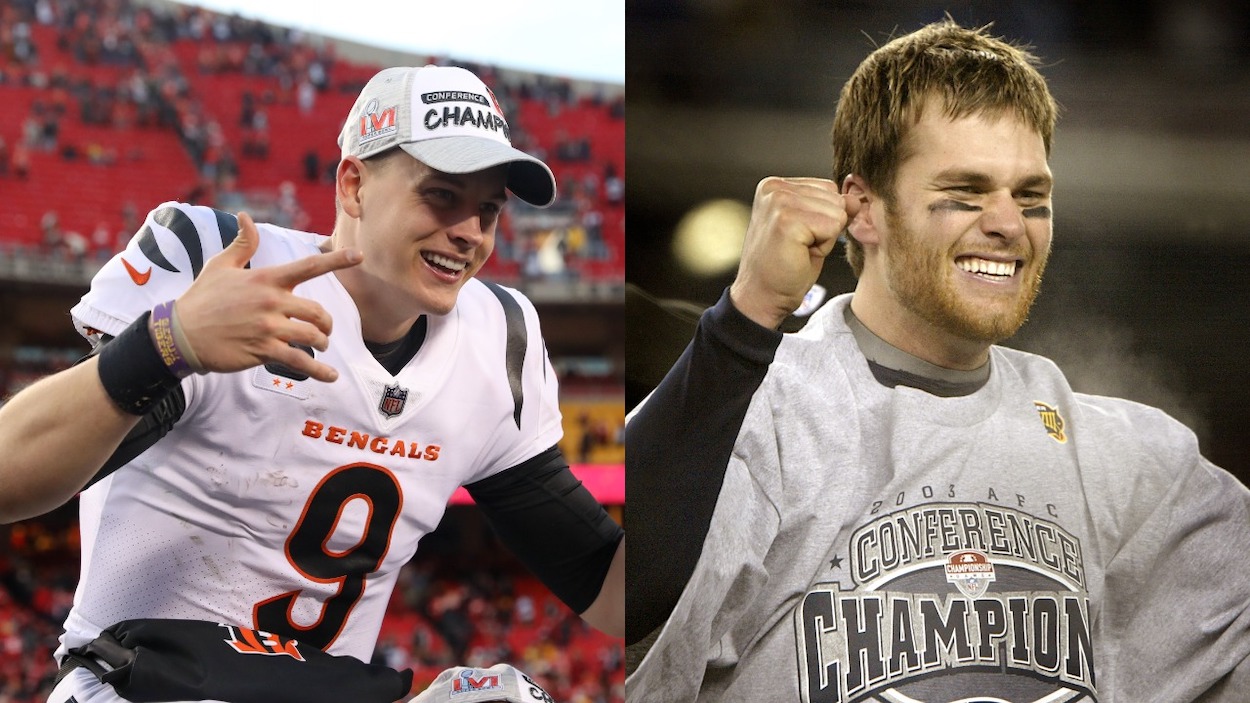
x=110, y=107
x=1147, y=295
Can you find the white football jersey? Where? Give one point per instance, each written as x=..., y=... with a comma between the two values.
x=282, y=503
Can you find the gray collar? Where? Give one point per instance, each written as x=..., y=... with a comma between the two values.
x=894, y=367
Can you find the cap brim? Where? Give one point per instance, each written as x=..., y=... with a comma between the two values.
x=528, y=178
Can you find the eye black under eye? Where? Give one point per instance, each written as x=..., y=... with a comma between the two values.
x=955, y=205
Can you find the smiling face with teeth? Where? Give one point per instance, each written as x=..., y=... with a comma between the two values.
x=424, y=234
x=954, y=259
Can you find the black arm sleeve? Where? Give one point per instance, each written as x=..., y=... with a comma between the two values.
x=546, y=517
x=152, y=426
x=677, y=447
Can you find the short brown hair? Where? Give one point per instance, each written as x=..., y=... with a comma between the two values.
x=967, y=70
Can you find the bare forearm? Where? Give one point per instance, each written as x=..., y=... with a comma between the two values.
x=607, y=613
x=54, y=436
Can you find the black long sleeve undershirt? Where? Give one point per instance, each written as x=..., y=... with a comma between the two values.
x=552, y=523
x=677, y=448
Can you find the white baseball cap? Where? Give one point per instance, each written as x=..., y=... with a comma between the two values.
x=501, y=682
x=446, y=118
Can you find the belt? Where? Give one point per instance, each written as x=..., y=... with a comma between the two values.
x=67, y=667
x=102, y=657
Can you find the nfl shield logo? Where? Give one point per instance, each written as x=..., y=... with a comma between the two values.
x=393, y=399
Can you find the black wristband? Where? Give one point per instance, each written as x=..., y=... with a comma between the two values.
x=132, y=371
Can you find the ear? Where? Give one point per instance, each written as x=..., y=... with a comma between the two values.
x=863, y=226
x=348, y=179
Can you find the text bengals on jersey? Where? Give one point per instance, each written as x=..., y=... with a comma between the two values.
x=362, y=441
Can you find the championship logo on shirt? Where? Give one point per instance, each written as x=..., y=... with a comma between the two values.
x=950, y=602
x=971, y=572
x=393, y=400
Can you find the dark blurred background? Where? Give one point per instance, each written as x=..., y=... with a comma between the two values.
x=1147, y=295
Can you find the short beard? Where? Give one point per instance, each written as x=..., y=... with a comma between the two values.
x=920, y=278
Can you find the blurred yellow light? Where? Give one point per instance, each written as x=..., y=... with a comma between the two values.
x=708, y=239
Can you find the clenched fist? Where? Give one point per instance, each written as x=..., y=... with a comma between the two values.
x=795, y=223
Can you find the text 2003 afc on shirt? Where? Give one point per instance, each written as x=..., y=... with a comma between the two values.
x=1019, y=543
x=287, y=504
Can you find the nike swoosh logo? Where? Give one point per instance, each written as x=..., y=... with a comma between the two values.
x=138, y=278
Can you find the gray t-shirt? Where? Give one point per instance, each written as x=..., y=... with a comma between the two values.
x=1020, y=543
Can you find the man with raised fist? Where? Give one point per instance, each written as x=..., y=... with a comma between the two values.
x=887, y=505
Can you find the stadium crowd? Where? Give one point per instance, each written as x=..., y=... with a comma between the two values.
x=112, y=71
